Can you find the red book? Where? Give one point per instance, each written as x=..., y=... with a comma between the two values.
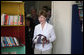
x=20, y=20
x=6, y=19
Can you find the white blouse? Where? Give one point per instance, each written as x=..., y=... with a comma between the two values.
x=47, y=31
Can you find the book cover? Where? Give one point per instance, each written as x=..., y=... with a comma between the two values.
x=40, y=39
x=12, y=41
x=15, y=20
x=9, y=42
x=2, y=42
x=22, y=19
x=16, y=41
x=11, y=20
x=5, y=41
x=6, y=19
x=2, y=19
x=18, y=20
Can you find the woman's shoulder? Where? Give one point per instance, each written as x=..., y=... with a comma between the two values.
x=50, y=25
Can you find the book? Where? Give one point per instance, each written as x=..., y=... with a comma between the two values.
x=40, y=39
x=2, y=19
x=5, y=41
x=9, y=42
x=15, y=20
x=13, y=44
x=18, y=20
x=11, y=20
x=6, y=19
x=22, y=19
x=16, y=41
x=2, y=41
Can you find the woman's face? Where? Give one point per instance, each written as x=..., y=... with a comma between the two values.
x=42, y=19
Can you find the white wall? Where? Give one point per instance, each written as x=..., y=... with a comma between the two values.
x=61, y=20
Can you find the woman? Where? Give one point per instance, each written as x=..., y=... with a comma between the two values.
x=47, y=30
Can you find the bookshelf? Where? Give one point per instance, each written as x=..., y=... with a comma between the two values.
x=18, y=31
x=13, y=8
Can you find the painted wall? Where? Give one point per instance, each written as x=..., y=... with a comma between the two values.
x=61, y=20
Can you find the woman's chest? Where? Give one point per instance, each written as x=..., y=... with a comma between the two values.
x=46, y=32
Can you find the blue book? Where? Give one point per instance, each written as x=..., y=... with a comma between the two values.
x=5, y=41
x=11, y=41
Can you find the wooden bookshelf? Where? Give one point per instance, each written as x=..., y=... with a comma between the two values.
x=13, y=8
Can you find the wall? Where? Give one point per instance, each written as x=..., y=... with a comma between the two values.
x=61, y=20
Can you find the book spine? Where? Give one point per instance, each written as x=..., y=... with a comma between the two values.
x=9, y=21
x=12, y=20
x=15, y=20
x=18, y=20
x=22, y=19
x=5, y=41
x=12, y=41
x=6, y=17
x=16, y=41
x=2, y=42
x=2, y=19
x=9, y=42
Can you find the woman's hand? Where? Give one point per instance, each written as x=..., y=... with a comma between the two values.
x=45, y=40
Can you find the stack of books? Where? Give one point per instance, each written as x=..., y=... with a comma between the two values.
x=11, y=19
x=9, y=41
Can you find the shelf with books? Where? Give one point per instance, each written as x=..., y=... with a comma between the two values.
x=16, y=28
x=10, y=42
x=12, y=20
x=13, y=46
